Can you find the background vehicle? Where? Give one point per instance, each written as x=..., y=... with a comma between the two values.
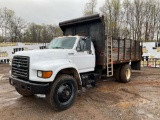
x=73, y=61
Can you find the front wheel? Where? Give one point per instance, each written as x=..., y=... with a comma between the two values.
x=63, y=92
x=125, y=74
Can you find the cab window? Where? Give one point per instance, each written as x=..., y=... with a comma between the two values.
x=81, y=45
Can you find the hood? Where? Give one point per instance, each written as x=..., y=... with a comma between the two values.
x=45, y=54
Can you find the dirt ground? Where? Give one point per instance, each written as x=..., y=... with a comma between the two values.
x=110, y=100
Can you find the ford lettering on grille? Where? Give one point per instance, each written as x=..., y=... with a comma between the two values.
x=20, y=67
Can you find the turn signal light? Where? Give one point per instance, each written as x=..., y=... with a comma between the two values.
x=44, y=74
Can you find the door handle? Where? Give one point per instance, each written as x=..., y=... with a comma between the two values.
x=70, y=53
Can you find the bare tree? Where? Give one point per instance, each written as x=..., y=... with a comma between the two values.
x=5, y=16
x=136, y=19
x=90, y=8
x=111, y=10
x=41, y=33
x=16, y=27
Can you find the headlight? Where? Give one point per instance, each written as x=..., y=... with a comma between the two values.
x=44, y=74
x=39, y=73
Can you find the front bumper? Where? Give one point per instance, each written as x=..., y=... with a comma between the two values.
x=35, y=88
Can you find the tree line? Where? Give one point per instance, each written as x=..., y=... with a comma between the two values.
x=15, y=29
x=132, y=19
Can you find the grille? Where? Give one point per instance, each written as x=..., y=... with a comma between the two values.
x=20, y=67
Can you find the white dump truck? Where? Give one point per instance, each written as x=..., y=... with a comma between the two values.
x=73, y=61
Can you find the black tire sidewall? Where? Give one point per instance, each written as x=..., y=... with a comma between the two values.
x=123, y=73
x=53, y=93
x=117, y=73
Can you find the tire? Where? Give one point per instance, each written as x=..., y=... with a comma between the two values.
x=125, y=74
x=117, y=73
x=63, y=93
x=24, y=93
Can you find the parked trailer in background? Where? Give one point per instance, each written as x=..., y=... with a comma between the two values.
x=8, y=49
x=73, y=61
x=151, y=54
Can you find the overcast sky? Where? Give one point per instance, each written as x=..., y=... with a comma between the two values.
x=47, y=11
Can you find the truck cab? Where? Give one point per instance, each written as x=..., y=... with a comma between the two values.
x=34, y=71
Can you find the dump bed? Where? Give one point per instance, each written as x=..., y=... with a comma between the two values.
x=93, y=26
x=125, y=50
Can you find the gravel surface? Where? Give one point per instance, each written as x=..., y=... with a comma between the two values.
x=110, y=100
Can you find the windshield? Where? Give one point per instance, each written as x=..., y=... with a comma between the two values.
x=62, y=43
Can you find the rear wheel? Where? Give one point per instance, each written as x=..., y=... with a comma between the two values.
x=63, y=92
x=24, y=93
x=125, y=74
x=117, y=73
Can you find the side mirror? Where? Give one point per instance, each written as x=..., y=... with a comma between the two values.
x=88, y=45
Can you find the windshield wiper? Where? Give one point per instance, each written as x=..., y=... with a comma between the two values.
x=57, y=47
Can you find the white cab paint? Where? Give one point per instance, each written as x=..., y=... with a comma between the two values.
x=58, y=59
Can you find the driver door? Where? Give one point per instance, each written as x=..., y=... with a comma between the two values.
x=84, y=60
